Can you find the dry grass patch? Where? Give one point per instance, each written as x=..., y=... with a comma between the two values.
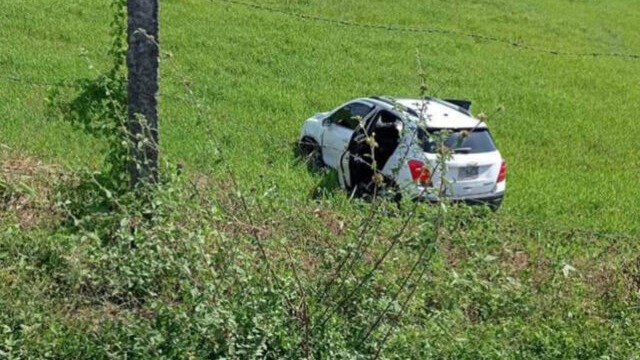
x=27, y=189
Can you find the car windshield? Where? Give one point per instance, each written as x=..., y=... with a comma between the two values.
x=466, y=141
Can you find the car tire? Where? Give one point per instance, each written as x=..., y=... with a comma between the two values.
x=311, y=152
x=495, y=204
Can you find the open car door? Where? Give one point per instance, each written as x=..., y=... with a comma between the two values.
x=339, y=128
x=364, y=158
x=353, y=166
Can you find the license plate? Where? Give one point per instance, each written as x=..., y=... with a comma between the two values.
x=469, y=172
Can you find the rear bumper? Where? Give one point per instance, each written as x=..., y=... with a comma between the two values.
x=493, y=200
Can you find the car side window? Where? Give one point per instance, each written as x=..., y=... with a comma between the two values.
x=350, y=115
x=360, y=109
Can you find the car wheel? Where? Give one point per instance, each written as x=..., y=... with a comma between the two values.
x=311, y=152
x=494, y=205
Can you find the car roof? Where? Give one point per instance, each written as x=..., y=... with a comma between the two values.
x=438, y=113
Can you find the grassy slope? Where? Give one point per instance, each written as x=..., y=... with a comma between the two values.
x=492, y=292
x=567, y=132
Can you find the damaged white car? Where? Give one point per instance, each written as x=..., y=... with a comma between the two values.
x=377, y=140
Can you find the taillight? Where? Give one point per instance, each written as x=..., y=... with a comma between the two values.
x=419, y=172
x=502, y=176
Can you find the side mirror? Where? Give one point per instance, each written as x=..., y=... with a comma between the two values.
x=326, y=121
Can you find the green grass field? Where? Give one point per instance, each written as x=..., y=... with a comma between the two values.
x=568, y=133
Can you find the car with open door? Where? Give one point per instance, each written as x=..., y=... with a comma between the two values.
x=380, y=143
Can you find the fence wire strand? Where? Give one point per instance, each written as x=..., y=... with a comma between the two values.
x=429, y=30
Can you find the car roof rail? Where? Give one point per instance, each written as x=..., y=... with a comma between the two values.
x=392, y=102
x=384, y=99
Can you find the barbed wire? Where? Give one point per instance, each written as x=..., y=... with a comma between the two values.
x=70, y=85
x=30, y=82
x=423, y=30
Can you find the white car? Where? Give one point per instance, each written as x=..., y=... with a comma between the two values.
x=403, y=153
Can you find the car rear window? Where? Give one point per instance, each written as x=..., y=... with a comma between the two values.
x=476, y=141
